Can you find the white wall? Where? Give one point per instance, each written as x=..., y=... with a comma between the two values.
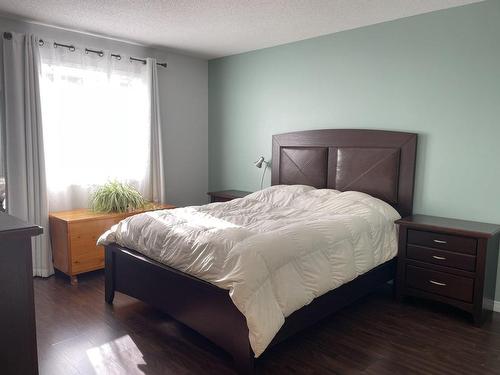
x=184, y=108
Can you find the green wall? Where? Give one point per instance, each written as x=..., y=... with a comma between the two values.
x=436, y=74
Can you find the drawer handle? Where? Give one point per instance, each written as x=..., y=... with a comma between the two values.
x=437, y=283
x=438, y=257
x=439, y=241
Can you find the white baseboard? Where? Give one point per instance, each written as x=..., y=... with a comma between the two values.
x=496, y=306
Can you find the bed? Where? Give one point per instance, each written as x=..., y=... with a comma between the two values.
x=353, y=162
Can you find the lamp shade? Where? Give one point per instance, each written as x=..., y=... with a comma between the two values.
x=259, y=162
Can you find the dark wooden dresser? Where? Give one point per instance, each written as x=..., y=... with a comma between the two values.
x=18, y=352
x=448, y=260
x=226, y=195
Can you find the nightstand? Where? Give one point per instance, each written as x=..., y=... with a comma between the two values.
x=226, y=195
x=450, y=261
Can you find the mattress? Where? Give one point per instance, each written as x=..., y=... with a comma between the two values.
x=274, y=250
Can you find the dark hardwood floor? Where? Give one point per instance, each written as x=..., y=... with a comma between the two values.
x=79, y=334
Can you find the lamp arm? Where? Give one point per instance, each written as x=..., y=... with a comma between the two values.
x=263, y=174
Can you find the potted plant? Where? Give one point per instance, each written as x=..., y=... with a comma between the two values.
x=115, y=196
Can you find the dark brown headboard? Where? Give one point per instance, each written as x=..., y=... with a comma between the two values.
x=376, y=162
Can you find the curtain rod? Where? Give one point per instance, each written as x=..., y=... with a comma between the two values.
x=72, y=48
x=99, y=52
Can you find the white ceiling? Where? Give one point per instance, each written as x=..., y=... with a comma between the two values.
x=215, y=28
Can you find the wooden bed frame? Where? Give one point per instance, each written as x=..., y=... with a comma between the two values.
x=380, y=163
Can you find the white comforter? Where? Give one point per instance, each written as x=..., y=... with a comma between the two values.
x=274, y=250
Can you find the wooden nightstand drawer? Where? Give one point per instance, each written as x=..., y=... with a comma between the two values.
x=88, y=261
x=84, y=235
x=444, y=284
x=441, y=257
x=442, y=241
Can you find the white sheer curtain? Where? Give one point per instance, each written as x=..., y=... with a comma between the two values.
x=99, y=124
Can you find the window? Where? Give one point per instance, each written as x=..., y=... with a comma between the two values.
x=96, y=121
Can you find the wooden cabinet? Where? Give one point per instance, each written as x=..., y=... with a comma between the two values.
x=226, y=195
x=74, y=235
x=448, y=260
x=18, y=351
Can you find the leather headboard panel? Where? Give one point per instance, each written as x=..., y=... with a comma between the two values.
x=376, y=162
x=304, y=166
x=374, y=171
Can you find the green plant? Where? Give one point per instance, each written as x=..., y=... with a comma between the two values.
x=116, y=197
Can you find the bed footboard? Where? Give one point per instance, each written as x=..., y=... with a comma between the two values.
x=191, y=301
